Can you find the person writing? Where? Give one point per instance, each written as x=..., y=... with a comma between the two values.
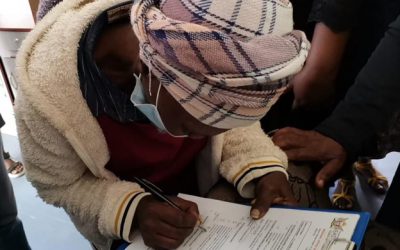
x=170, y=91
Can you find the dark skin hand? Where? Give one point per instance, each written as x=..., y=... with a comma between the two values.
x=163, y=226
x=116, y=54
x=271, y=189
x=301, y=145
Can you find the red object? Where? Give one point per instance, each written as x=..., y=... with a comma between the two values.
x=138, y=149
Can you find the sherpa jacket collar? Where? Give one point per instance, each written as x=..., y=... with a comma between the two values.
x=48, y=77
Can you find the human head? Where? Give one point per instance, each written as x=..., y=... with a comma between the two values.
x=223, y=63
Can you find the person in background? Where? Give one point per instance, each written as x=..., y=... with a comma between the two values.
x=344, y=34
x=12, y=234
x=170, y=91
x=369, y=110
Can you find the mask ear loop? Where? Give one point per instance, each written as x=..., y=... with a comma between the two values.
x=159, y=87
x=158, y=94
x=150, y=80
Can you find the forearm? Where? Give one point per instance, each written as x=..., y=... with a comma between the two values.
x=371, y=102
x=248, y=153
x=327, y=49
x=61, y=178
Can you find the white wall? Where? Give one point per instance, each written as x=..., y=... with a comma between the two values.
x=16, y=14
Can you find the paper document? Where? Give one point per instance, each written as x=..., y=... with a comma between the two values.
x=229, y=226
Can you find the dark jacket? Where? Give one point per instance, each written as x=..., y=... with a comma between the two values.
x=367, y=110
x=372, y=102
x=339, y=15
x=1, y=122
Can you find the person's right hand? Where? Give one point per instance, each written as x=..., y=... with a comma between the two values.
x=163, y=226
x=301, y=145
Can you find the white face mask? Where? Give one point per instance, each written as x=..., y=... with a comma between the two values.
x=149, y=110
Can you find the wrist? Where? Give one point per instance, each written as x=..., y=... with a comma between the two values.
x=141, y=210
x=274, y=175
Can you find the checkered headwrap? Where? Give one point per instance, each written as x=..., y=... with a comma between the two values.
x=225, y=61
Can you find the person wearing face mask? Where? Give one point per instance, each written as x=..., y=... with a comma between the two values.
x=170, y=91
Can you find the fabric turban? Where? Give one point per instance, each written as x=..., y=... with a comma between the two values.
x=225, y=61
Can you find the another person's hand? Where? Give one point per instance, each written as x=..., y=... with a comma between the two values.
x=163, y=226
x=300, y=145
x=272, y=188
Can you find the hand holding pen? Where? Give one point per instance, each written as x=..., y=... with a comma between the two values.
x=163, y=225
x=159, y=194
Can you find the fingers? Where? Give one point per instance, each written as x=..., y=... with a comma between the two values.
x=177, y=218
x=188, y=206
x=289, y=138
x=186, y=219
x=172, y=232
x=261, y=205
x=329, y=171
x=302, y=154
x=300, y=145
x=271, y=188
x=164, y=236
x=295, y=143
x=158, y=241
x=163, y=226
x=288, y=196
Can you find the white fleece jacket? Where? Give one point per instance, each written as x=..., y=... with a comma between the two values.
x=65, y=151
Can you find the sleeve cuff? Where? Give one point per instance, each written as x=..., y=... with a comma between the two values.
x=116, y=216
x=244, y=181
x=124, y=219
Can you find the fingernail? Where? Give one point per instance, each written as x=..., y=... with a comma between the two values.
x=253, y=201
x=320, y=182
x=255, y=213
x=200, y=219
x=198, y=223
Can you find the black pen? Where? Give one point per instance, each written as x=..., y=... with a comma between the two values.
x=157, y=192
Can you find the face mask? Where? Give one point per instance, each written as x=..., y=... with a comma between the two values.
x=149, y=110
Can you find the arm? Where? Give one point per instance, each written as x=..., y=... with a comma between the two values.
x=353, y=127
x=316, y=80
x=257, y=168
x=102, y=209
x=248, y=153
x=335, y=19
x=371, y=102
